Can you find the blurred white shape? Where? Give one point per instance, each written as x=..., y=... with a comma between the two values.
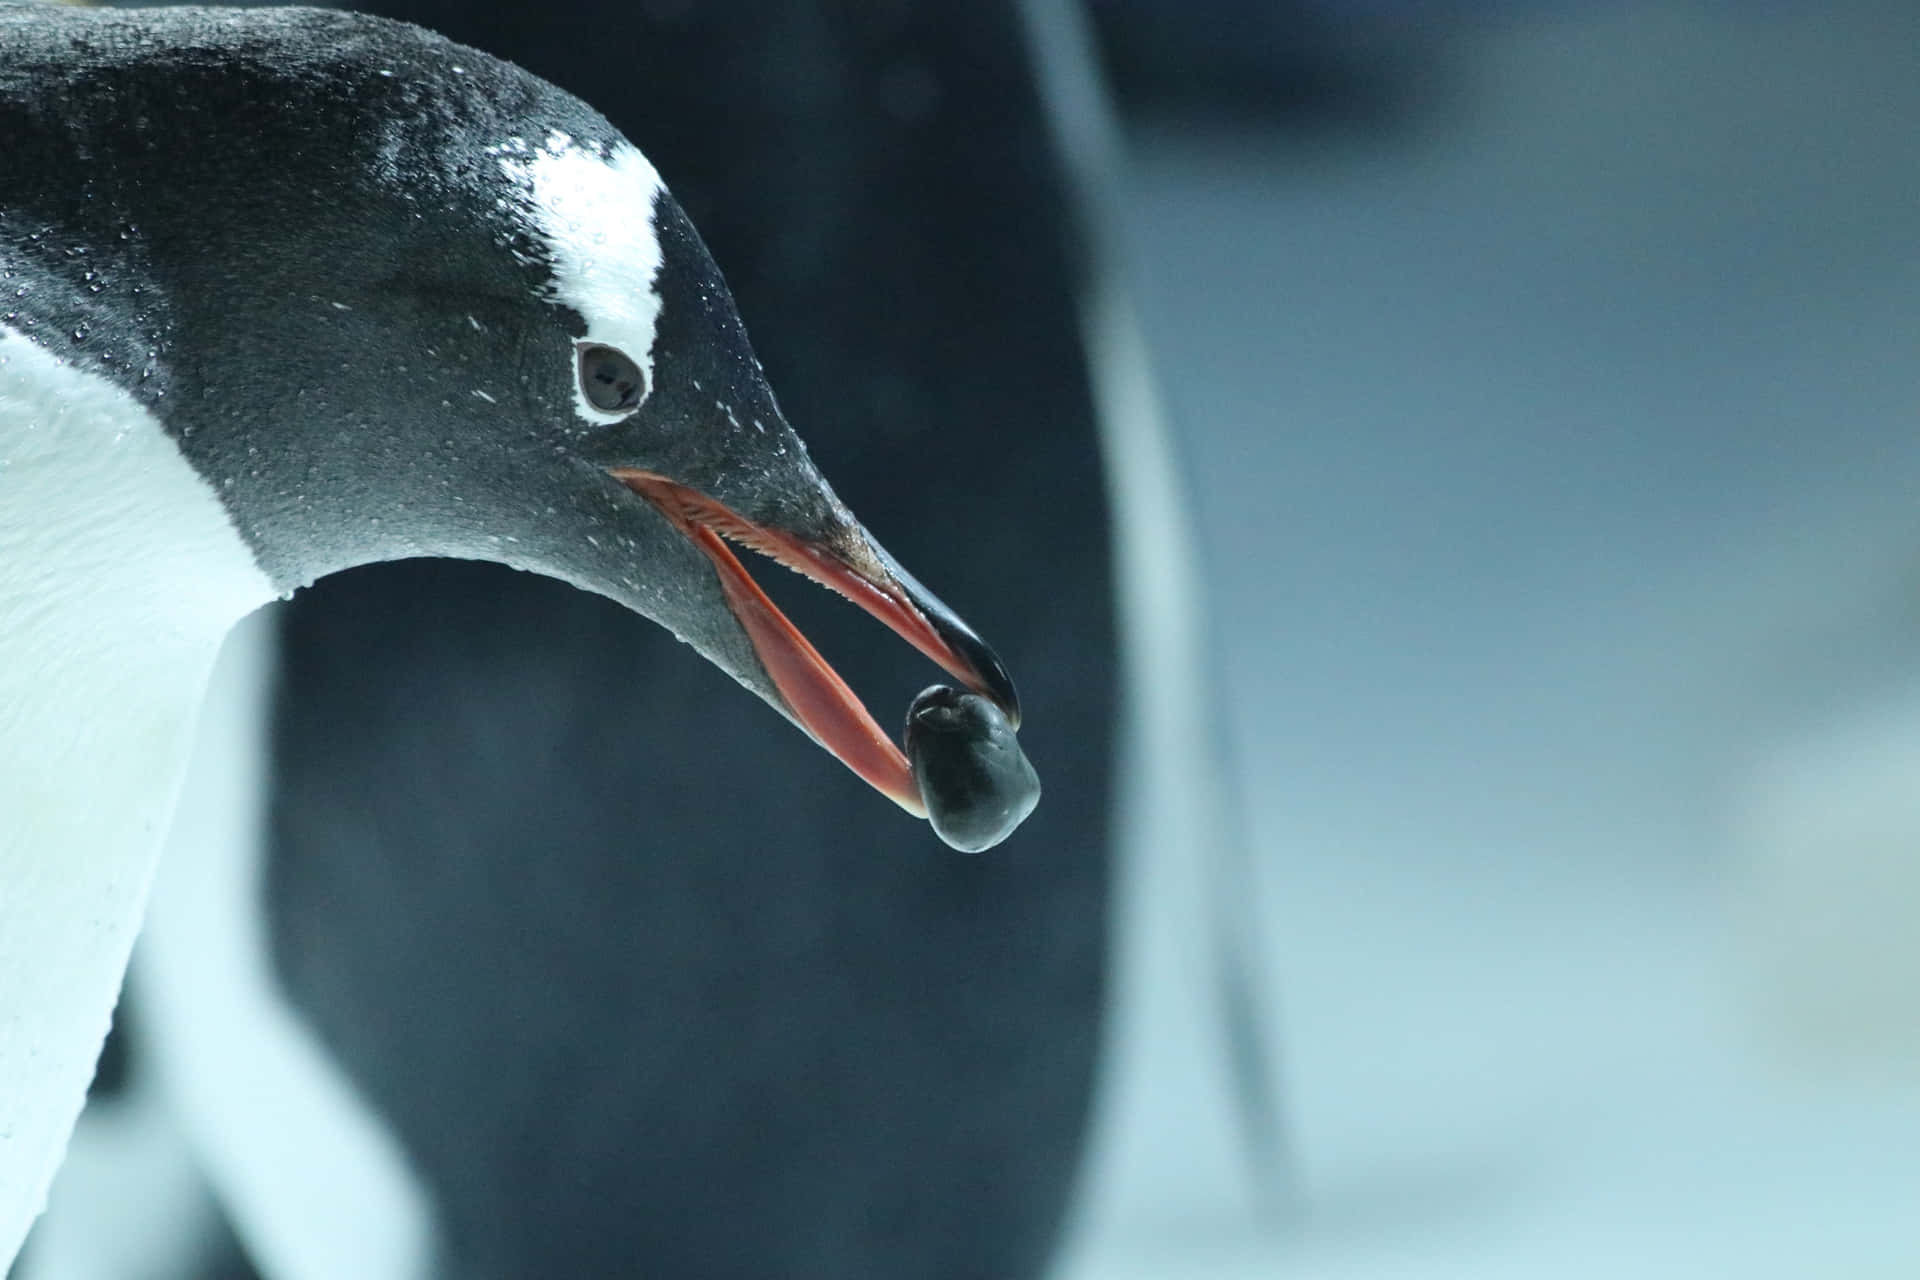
x=1187, y=960
x=316, y=1186
x=1828, y=881
x=128, y=1202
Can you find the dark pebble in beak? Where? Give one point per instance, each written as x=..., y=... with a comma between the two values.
x=976, y=782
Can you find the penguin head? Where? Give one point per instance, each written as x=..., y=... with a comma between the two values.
x=398, y=298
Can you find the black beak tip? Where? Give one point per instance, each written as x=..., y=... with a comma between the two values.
x=996, y=683
x=986, y=666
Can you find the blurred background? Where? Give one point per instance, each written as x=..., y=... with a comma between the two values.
x=1547, y=379
x=1514, y=405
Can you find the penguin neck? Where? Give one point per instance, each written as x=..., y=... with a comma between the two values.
x=120, y=574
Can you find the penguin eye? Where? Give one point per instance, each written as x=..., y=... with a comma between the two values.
x=610, y=380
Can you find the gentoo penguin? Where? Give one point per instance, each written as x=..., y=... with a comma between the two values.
x=526, y=913
x=290, y=291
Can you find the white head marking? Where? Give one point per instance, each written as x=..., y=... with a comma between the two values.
x=594, y=211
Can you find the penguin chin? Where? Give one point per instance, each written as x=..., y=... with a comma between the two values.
x=817, y=697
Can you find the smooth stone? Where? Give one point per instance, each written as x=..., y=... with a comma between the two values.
x=977, y=783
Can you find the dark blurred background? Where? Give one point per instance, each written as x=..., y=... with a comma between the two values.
x=1543, y=381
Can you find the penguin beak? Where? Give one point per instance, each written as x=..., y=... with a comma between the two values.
x=853, y=565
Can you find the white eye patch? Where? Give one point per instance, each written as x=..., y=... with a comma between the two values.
x=594, y=212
